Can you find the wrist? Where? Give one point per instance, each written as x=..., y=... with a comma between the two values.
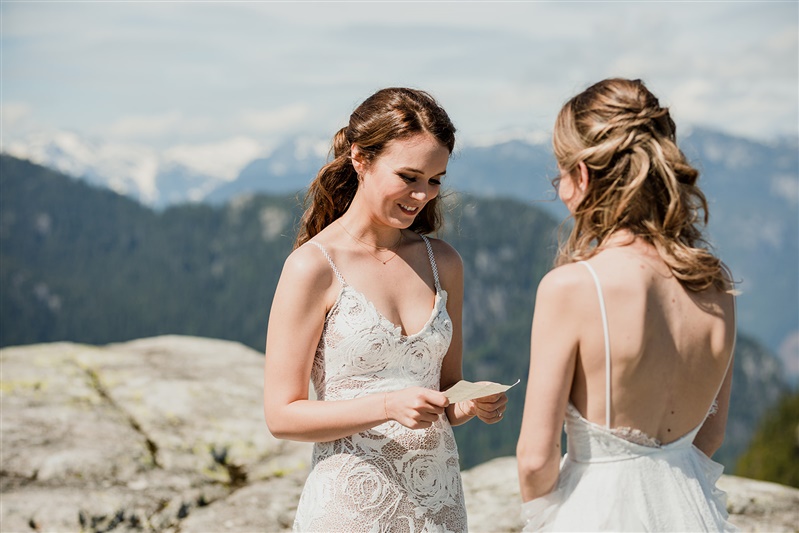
x=385, y=407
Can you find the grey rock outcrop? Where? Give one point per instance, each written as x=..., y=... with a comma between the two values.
x=150, y=434
x=167, y=434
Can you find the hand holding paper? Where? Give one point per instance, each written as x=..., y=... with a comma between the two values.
x=466, y=390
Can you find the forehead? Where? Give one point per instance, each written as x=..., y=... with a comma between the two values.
x=421, y=152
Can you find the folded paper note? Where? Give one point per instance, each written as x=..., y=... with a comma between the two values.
x=466, y=390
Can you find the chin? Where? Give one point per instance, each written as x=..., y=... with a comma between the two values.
x=403, y=224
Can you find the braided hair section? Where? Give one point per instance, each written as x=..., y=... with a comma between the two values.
x=639, y=180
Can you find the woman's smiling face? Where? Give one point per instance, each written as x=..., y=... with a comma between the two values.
x=403, y=178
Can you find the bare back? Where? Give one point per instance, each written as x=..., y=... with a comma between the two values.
x=670, y=348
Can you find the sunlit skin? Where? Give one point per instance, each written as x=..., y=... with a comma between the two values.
x=670, y=349
x=392, y=191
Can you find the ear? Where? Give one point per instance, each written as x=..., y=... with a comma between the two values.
x=358, y=159
x=582, y=181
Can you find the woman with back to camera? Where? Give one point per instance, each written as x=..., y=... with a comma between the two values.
x=369, y=309
x=633, y=333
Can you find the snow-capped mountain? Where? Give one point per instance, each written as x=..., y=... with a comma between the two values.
x=180, y=174
x=287, y=169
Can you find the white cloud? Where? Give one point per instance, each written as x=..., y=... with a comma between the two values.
x=14, y=113
x=787, y=188
x=146, y=126
x=175, y=73
x=223, y=159
x=285, y=118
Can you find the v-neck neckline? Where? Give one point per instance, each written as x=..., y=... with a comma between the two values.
x=440, y=298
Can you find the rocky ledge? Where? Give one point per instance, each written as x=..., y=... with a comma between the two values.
x=167, y=434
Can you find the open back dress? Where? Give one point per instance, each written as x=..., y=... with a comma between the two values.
x=621, y=479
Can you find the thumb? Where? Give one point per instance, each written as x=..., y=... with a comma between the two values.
x=439, y=399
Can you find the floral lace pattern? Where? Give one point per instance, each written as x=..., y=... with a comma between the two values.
x=637, y=436
x=389, y=478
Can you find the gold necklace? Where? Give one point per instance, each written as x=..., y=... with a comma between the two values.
x=366, y=246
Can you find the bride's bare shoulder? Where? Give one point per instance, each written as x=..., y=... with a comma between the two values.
x=565, y=282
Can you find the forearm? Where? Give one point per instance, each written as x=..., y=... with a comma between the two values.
x=711, y=435
x=323, y=421
x=709, y=446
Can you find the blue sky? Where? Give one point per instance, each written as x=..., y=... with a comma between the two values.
x=180, y=73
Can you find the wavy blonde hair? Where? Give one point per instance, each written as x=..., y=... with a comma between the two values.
x=390, y=114
x=638, y=180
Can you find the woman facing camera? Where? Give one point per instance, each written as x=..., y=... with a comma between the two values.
x=633, y=333
x=369, y=309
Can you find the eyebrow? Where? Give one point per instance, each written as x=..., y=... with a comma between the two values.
x=417, y=171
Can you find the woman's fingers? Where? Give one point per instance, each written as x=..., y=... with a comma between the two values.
x=491, y=408
x=417, y=407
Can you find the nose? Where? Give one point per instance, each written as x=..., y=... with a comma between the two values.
x=419, y=195
x=422, y=192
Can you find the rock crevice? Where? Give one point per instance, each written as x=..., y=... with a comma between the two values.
x=97, y=385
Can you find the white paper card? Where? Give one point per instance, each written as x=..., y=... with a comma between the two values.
x=466, y=390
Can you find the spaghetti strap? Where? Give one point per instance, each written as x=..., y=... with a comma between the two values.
x=432, y=261
x=607, y=340
x=332, y=264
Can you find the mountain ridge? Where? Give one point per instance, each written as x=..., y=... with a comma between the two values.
x=84, y=264
x=752, y=189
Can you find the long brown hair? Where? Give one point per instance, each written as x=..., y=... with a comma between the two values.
x=389, y=114
x=639, y=180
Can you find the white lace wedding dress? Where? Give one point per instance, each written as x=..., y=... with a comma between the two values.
x=389, y=478
x=621, y=479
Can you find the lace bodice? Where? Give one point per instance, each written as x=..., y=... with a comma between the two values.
x=389, y=478
x=362, y=352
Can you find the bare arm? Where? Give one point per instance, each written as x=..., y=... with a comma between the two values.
x=711, y=435
x=295, y=326
x=554, y=345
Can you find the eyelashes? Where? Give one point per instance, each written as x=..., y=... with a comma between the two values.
x=412, y=179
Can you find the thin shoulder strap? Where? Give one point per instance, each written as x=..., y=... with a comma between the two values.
x=432, y=261
x=607, y=340
x=329, y=260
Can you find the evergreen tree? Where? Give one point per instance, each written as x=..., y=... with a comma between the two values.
x=774, y=452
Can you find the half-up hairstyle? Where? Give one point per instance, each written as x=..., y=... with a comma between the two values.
x=638, y=180
x=388, y=115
